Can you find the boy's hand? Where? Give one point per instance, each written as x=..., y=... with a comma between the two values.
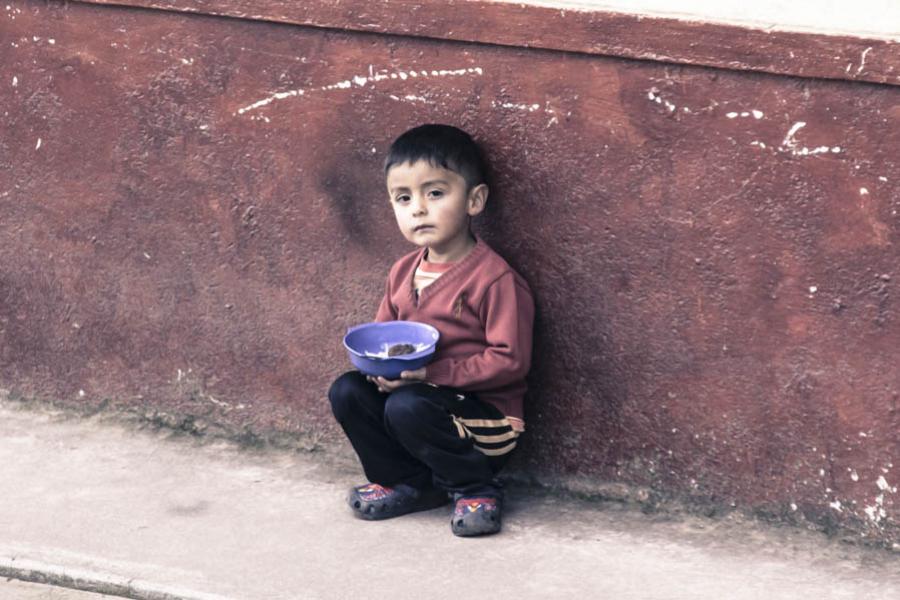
x=387, y=386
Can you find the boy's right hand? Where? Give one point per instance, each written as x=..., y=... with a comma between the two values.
x=386, y=386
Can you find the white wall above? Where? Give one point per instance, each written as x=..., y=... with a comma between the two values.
x=863, y=18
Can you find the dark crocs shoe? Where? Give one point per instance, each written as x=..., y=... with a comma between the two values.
x=374, y=502
x=476, y=515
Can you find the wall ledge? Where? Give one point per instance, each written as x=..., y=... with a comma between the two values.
x=734, y=47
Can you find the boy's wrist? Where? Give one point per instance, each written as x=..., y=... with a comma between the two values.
x=437, y=372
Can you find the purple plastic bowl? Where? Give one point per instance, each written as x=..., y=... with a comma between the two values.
x=372, y=337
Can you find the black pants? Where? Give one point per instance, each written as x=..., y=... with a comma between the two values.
x=423, y=435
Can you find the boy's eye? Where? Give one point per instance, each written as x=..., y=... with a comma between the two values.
x=435, y=193
x=403, y=198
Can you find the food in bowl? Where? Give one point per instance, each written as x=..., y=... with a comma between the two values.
x=401, y=349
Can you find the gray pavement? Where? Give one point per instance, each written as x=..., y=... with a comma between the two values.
x=23, y=590
x=94, y=504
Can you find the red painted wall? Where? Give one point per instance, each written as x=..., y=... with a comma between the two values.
x=193, y=213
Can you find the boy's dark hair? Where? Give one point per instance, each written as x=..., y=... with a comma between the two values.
x=442, y=146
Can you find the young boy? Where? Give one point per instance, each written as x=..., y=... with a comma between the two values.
x=447, y=428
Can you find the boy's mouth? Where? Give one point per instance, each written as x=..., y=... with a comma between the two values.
x=422, y=227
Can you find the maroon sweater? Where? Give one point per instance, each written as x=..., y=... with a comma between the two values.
x=485, y=314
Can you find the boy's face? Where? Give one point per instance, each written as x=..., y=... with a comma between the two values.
x=433, y=207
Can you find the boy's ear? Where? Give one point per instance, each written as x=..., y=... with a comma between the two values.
x=477, y=199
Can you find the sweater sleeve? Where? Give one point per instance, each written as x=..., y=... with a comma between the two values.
x=386, y=311
x=508, y=313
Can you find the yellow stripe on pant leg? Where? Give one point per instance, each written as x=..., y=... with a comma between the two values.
x=504, y=422
x=496, y=451
x=493, y=439
x=461, y=429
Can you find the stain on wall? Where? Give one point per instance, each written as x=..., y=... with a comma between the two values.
x=193, y=213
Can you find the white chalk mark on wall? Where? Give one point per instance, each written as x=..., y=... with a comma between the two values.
x=516, y=106
x=654, y=96
x=789, y=140
x=360, y=81
x=270, y=99
x=883, y=485
x=756, y=114
x=789, y=144
x=876, y=511
x=862, y=60
x=38, y=145
x=533, y=107
x=410, y=98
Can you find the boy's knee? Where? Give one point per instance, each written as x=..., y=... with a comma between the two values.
x=344, y=392
x=406, y=407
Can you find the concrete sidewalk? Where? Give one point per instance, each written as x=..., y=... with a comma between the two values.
x=23, y=590
x=96, y=505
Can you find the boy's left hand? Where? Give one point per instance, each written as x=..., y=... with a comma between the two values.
x=387, y=386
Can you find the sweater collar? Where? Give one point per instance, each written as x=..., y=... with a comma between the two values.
x=458, y=267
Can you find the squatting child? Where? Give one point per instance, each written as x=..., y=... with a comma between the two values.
x=442, y=431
